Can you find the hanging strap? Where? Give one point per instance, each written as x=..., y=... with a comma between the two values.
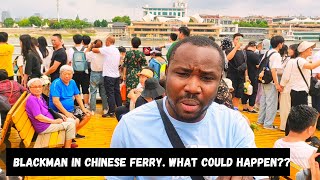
x=11, y=90
x=302, y=74
x=172, y=133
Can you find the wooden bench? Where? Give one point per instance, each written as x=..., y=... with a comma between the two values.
x=8, y=120
x=26, y=130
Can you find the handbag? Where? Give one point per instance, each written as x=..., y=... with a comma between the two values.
x=314, y=90
x=55, y=114
x=5, y=102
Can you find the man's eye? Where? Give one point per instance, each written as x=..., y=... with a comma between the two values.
x=207, y=78
x=183, y=74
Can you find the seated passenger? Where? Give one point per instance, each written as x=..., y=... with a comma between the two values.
x=145, y=73
x=302, y=120
x=63, y=90
x=12, y=90
x=42, y=120
x=152, y=91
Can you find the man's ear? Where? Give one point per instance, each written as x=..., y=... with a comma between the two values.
x=166, y=71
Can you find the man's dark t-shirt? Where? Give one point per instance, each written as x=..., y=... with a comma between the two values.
x=59, y=55
x=252, y=62
x=236, y=61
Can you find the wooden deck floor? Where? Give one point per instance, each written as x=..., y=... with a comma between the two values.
x=99, y=130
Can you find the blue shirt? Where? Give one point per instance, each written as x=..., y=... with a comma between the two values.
x=220, y=128
x=65, y=94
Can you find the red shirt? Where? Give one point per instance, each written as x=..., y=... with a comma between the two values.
x=17, y=90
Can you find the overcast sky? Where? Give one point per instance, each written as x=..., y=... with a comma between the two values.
x=107, y=9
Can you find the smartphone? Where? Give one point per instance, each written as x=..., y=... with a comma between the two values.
x=241, y=39
x=318, y=158
x=146, y=51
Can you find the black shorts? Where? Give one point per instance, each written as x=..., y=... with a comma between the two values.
x=83, y=79
x=237, y=84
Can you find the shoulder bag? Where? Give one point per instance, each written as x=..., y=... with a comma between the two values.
x=313, y=89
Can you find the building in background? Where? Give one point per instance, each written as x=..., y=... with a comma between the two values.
x=5, y=15
x=178, y=10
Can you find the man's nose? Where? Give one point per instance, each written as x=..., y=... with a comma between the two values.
x=193, y=85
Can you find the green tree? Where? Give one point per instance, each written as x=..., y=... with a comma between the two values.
x=96, y=23
x=45, y=21
x=125, y=19
x=104, y=23
x=35, y=20
x=24, y=23
x=116, y=19
x=8, y=22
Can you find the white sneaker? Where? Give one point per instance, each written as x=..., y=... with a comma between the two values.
x=92, y=113
x=87, y=106
x=105, y=111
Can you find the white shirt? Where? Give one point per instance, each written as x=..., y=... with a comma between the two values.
x=300, y=152
x=96, y=60
x=298, y=84
x=315, y=58
x=20, y=63
x=274, y=60
x=111, y=61
x=47, y=60
x=286, y=80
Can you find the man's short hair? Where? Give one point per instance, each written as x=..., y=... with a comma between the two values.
x=185, y=31
x=77, y=39
x=199, y=41
x=173, y=36
x=66, y=68
x=3, y=74
x=86, y=39
x=135, y=42
x=302, y=117
x=57, y=35
x=3, y=37
x=31, y=81
x=276, y=40
x=236, y=35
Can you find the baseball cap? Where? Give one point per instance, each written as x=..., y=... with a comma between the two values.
x=305, y=45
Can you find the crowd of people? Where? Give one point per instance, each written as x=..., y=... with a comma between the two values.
x=197, y=86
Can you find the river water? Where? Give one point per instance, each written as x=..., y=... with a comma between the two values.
x=144, y=43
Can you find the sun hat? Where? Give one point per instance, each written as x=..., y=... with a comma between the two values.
x=152, y=89
x=305, y=45
x=146, y=72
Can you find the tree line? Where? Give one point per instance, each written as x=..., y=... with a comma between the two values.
x=64, y=23
x=258, y=23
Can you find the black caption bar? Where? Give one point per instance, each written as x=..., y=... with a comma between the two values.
x=148, y=162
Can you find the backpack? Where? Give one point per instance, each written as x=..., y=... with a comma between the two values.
x=162, y=70
x=264, y=71
x=79, y=61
